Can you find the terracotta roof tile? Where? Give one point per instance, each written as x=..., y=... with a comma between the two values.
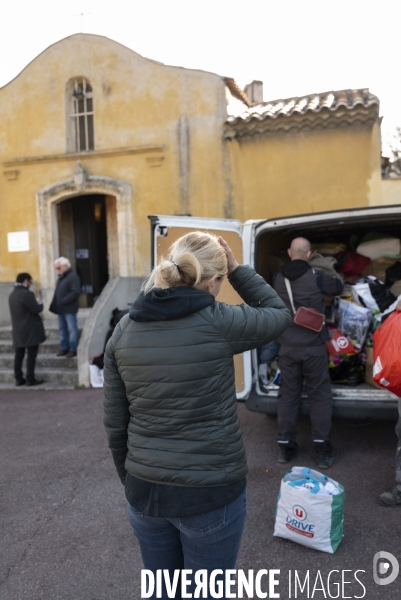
x=356, y=104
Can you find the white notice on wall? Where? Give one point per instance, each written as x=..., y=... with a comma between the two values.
x=18, y=241
x=82, y=253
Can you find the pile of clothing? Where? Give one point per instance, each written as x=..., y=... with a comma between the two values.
x=323, y=486
x=372, y=282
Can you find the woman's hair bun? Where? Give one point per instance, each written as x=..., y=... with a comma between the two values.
x=192, y=260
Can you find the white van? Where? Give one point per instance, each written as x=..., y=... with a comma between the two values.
x=253, y=242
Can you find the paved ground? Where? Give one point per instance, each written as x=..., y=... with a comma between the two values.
x=65, y=535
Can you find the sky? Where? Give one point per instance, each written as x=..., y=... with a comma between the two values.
x=294, y=47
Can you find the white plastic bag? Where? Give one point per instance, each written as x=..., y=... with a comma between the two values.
x=361, y=289
x=353, y=321
x=308, y=516
x=96, y=376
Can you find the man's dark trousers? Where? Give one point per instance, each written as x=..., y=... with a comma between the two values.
x=30, y=366
x=304, y=365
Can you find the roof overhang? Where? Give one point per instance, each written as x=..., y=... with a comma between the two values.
x=329, y=110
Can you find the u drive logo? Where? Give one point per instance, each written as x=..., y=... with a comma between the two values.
x=381, y=568
x=299, y=512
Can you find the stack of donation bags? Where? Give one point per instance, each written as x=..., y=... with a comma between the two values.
x=372, y=282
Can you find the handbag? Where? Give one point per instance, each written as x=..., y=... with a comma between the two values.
x=305, y=317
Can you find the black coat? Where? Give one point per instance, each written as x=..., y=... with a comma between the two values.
x=27, y=325
x=68, y=290
x=308, y=289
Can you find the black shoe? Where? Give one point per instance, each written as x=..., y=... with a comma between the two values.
x=21, y=381
x=391, y=498
x=70, y=354
x=326, y=457
x=287, y=453
x=35, y=382
x=62, y=353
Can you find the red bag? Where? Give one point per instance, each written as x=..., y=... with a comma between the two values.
x=309, y=318
x=339, y=344
x=305, y=316
x=387, y=354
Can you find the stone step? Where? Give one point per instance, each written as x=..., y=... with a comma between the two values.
x=57, y=372
x=43, y=361
x=51, y=328
x=48, y=347
x=47, y=385
x=51, y=375
x=51, y=333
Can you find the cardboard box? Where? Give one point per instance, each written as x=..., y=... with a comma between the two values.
x=378, y=267
x=369, y=368
x=369, y=355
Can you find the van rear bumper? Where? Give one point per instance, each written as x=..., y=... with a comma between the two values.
x=359, y=403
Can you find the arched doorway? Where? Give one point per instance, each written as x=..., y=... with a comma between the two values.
x=63, y=198
x=82, y=235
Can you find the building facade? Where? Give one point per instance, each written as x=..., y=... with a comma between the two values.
x=95, y=138
x=314, y=153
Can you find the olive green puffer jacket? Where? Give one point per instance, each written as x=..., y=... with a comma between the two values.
x=169, y=390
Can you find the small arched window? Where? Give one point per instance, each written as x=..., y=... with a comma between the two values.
x=82, y=116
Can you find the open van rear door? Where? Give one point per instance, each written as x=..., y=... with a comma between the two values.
x=166, y=229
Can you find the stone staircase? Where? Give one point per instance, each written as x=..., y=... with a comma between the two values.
x=57, y=372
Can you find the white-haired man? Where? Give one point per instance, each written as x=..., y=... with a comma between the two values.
x=65, y=305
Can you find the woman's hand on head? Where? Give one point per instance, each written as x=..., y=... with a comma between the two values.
x=231, y=262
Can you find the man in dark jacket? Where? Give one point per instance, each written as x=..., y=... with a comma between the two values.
x=65, y=305
x=303, y=357
x=27, y=326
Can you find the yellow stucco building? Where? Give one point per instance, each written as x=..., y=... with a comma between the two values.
x=95, y=138
x=92, y=122
x=310, y=154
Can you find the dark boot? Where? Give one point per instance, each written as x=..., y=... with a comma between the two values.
x=391, y=498
x=62, y=352
x=35, y=382
x=287, y=452
x=326, y=454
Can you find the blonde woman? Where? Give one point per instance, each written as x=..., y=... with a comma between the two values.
x=170, y=404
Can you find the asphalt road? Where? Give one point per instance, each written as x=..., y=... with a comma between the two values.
x=65, y=534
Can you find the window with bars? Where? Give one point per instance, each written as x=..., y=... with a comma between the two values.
x=82, y=116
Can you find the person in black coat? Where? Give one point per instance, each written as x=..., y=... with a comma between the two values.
x=303, y=357
x=65, y=305
x=27, y=327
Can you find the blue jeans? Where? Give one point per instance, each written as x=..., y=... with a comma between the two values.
x=268, y=352
x=209, y=541
x=68, y=330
